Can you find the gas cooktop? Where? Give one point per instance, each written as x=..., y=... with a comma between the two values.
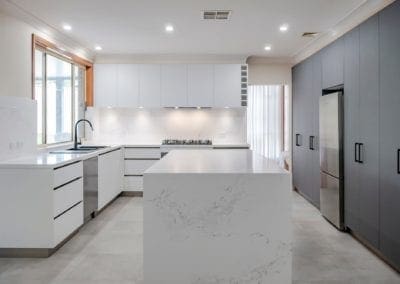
x=187, y=142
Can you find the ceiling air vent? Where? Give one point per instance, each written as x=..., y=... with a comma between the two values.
x=216, y=15
x=310, y=34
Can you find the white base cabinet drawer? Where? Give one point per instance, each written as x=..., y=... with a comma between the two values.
x=67, y=196
x=132, y=183
x=65, y=174
x=67, y=223
x=142, y=153
x=137, y=167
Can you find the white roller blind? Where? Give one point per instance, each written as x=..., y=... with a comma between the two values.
x=265, y=120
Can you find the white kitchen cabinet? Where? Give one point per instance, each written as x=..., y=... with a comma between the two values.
x=128, y=85
x=149, y=85
x=174, y=85
x=200, y=85
x=227, y=85
x=40, y=207
x=105, y=85
x=137, y=161
x=110, y=177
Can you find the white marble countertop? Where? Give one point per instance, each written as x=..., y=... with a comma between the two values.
x=210, y=161
x=46, y=159
x=51, y=160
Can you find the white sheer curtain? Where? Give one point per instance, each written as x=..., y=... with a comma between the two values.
x=265, y=120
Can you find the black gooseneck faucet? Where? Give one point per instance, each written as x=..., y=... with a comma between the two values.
x=76, y=131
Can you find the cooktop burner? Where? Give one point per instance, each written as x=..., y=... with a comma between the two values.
x=187, y=142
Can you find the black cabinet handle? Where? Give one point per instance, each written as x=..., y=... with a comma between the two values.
x=361, y=153
x=297, y=140
x=398, y=161
x=355, y=152
x=311, y=143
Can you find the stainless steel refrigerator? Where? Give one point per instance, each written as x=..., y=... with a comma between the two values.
x=331, y=157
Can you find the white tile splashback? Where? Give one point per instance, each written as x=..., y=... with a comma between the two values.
x=17, y=127
x=141, y=126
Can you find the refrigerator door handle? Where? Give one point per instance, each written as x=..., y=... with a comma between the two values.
x=297, y=140
x=355, y=152
x=311, y=143
x=361, y=153
x=398, y=161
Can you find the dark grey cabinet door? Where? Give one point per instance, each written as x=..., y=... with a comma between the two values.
x=297, y=125
x=332, y=64
x=308, y=189
x=390, y=132
x=315, y=178
x=351, y=128
x=302, y=127
x=369, y=130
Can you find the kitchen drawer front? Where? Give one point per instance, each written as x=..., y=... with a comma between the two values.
x=133, y=183
x=67, y=223
x=67, y=173
x=142, y=153
x=137, y=167
x=68, y=195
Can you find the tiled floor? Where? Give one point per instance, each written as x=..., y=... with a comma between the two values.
x=109, y=250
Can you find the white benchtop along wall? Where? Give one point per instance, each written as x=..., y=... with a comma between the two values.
x=151, y=126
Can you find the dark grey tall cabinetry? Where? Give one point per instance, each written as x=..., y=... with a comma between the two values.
x=306, y=92
x=366, y=61
x=361, y=97
x=389, y=127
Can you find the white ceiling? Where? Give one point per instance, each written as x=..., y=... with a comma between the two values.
x=137, y=27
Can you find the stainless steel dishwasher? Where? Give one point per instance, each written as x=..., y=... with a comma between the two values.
x=90, y=188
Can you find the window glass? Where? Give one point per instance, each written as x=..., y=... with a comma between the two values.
x=58, y=100
x=39, y=82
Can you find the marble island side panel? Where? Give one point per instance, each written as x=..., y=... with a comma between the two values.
x=217, y=228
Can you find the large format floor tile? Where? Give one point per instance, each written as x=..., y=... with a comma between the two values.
x=109, y=249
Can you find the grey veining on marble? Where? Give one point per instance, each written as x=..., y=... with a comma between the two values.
x=217, y=228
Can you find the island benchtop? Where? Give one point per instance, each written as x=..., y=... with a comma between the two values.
x=211, y=161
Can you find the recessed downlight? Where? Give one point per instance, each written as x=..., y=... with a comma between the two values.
x=67, y=27
x=98, y=47
x=268, y=47
x=284, y=28
x=169, y=28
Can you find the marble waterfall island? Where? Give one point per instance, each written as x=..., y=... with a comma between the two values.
x=217, y=217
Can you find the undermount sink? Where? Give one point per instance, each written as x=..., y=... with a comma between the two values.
x=80, y=149
x=87, y=148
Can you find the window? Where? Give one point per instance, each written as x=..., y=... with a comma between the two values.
x=59, y=92
x=267, y=120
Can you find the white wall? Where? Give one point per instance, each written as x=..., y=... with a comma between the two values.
x=143, y=126
x=15, y=57
x=17, y=127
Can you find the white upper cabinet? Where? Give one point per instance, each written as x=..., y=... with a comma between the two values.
x=149, y=85
x=174, y=85
x=105, y=85
x=201, y=85
x=127, y=85
x=169, y=85
x=227, y=85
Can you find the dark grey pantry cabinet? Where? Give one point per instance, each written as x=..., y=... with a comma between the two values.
x=361, y=106
x=389, y=128
x=306, y=91
x=366, y=61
